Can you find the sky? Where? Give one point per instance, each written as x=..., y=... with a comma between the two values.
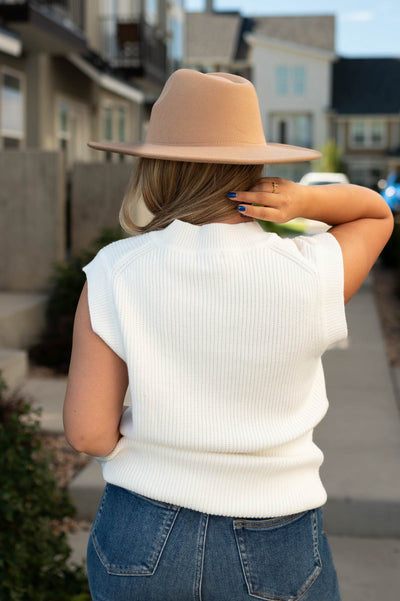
x=363, y=27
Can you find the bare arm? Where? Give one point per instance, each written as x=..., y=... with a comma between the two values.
x=362, y=221
x=97, y=384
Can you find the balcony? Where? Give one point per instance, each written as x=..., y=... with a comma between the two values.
x=56, y=27
x=120, y=41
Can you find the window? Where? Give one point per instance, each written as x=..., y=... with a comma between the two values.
x=63, y=115
x=281, y=75
x=299, y=80
x=290, y=128
x=367, y=133
x=291, y=80
x=63, y=126
x=12, y=110
x=121, y=123
x=151, y=9
x=176, y=27
x=358, y=133
x=107, y=124
x=301, y=130
x=367, y=174
x=114, y=126
x=377, y=133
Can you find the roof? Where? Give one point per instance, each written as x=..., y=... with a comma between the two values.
x=308, y=30
x=211, y=36
x=366, y=86
x=219, y=36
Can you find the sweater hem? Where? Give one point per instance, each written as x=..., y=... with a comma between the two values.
x=230, y=485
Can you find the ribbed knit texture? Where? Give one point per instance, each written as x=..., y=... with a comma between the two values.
x=222, y=327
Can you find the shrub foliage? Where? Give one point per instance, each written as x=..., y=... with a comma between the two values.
x=33, y=555
x=54, y=347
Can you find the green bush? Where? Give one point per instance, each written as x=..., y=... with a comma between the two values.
x=331, y=160
x=54, y=347
x=33, y=554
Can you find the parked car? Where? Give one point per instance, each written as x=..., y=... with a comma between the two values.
x=315, y=178
x=391, y=191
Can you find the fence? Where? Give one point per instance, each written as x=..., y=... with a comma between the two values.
x=32, y=218
x=33, y=212
x=97, y=190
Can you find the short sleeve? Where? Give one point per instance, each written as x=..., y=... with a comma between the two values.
x=324, y=251
x=102, y=303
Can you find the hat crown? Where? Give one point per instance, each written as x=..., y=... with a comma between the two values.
x=206, y=109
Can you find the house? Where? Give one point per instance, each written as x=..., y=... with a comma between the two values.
x=71, y=71
x=291, y=69
x=365, y=117
x=211, y=42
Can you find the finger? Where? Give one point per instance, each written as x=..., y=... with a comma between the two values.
x=263, y=213
x=267, y=184
x=261, y=198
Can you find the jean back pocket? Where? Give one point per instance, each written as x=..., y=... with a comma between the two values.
x=130, y=531
x=279, y=556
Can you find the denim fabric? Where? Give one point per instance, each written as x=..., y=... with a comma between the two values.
x=146, y=550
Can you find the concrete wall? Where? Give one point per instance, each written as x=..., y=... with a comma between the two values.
x=96, y=197
x=32, y=218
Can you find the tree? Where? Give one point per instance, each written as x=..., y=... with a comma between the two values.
x=331, y=161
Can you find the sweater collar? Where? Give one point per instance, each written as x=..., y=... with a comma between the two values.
x=211, y=236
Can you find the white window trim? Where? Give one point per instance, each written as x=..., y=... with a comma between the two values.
x=5, y=133
x=72, y=103
x=114, y=105
x=367, y=144
x=104, y=107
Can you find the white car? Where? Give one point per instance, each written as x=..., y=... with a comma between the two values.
x=315, y=178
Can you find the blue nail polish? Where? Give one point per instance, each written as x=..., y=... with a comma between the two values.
x=231, y=195
x=241, y=208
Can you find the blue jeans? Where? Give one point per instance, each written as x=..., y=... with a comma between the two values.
x=146, y=550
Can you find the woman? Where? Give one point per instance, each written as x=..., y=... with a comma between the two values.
x=213, y=488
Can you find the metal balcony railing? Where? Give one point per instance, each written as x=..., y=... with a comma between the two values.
x=120, y=40
x=71, y=12
x=68, y=13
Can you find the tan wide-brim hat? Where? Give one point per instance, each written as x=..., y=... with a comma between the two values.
x=208, y=118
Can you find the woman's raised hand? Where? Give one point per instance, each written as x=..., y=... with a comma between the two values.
x=361, y=219
x=279, y=200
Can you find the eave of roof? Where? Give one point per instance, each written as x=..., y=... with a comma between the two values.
x=278, y=44
x=10, y=43
x=108, y=82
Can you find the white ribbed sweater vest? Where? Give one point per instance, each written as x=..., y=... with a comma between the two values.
x=222, y=327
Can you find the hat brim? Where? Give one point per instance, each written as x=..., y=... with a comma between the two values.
x=252, y=154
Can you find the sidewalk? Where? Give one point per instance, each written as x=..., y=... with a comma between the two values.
x=360, y=435
x=360, y=438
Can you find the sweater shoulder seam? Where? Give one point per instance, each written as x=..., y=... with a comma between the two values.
x=300, y=262
x=130, y=257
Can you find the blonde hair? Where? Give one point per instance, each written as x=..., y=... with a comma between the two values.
x=191, y=192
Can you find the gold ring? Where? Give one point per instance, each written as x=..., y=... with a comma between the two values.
x=274, y=187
